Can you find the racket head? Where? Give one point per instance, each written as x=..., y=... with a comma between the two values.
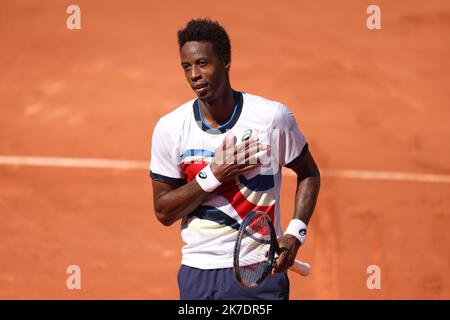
x=255, y=249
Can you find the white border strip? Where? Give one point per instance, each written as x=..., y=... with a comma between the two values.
x=96, y=163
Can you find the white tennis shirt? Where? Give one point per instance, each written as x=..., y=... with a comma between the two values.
x=182, y=144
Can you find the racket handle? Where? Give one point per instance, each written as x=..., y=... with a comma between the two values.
x=301, y=268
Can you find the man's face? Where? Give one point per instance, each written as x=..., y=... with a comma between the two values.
x=205, y=72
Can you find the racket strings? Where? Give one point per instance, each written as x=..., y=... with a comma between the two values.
x=256, y=251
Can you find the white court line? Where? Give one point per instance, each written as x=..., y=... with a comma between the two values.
x=381, y=175
x=143, y=165
x=73, y=162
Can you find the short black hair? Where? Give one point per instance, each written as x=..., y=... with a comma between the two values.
x=206, y=30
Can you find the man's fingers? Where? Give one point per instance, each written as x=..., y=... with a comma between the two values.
x=243, y=156
x=229, y=141
x=245, y=145
x=251, y=155
x=282, y=262
x=226, y=150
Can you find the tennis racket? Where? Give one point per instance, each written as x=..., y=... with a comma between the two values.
x=256, y=249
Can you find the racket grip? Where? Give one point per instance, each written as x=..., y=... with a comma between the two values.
x=301, y=268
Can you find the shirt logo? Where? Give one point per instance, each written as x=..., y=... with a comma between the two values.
x=247, y=134
x=202, y=175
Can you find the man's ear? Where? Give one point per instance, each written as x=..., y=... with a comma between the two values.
x=227, y=62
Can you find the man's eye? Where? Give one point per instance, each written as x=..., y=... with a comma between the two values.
x=186, y=67
x=203, y=63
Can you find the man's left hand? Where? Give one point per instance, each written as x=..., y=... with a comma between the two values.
x=289, y=246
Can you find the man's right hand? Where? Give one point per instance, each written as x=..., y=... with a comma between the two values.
x=231, y=160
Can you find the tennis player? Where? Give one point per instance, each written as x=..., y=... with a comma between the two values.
x=216, y=158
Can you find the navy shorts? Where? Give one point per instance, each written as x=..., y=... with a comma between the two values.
x=221, y=284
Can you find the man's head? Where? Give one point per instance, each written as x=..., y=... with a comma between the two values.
x=205, y=53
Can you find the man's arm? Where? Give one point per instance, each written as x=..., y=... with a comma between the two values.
x=172, y=202
x=308, y=185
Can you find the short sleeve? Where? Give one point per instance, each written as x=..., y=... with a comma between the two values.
x=164, y=164
x=292, y=143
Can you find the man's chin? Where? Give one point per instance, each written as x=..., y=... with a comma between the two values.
x=205, y=98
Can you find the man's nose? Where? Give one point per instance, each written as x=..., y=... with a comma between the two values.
x=195, y=73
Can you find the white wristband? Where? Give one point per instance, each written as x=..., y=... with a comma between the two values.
x=297, y=228
x=207, y=180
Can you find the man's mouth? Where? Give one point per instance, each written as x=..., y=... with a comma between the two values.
x=200, y=89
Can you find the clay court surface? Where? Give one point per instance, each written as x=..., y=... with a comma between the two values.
x=372, y=100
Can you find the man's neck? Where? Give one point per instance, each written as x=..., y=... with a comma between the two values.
x=215, y=113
